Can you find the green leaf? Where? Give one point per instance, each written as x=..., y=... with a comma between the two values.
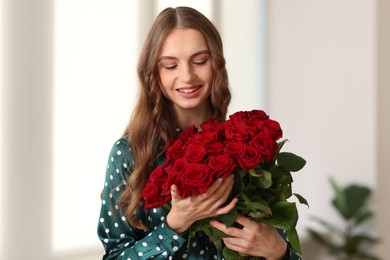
x=353, y=243
x=340, y=202
x=363, y=217
x=262, y=179
x=255, y=172
x=229, y=254
x=229, y=218
x=284, y=215
x=356, y=197
x=238, y=185
x=320, y=239
x=280, y=146
x=262, y=206
x=349, y=200
x=301, y=199
x=332, y=228
x=265, y=179
x=293, y=238
x=290, y=162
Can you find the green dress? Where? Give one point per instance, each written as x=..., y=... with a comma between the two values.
x=121, y=241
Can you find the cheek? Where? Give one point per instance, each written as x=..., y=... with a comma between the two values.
x=165, y=80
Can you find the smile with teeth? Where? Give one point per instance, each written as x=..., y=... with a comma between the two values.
x=189, y=90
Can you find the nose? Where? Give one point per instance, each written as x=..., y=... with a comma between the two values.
x=187, y=74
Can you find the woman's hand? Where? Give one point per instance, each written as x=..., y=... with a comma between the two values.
x=255, y=239
x=186, y=211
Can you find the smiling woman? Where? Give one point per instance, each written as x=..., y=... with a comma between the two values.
x=69, y=125
x=186, y=71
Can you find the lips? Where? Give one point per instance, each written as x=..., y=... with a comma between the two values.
x=189, y=90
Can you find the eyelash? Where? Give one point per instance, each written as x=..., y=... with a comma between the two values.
x=198, y=63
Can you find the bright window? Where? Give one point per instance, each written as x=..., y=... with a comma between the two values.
x=95, y=82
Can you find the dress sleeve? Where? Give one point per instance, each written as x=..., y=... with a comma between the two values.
x=119, y=239
x=290, y=254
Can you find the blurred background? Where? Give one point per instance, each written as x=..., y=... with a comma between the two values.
x=68, y=82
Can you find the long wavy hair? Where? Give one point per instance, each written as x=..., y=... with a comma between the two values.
x=152, y=123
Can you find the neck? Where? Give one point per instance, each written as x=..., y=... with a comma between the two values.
x=186, y=118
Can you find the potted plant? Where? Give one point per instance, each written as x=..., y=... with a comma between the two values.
x=350, y=241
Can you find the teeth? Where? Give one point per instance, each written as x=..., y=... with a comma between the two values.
x=189, y=90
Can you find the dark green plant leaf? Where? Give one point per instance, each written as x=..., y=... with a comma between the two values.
x=363, y=217
x=265, y=179
x=339, y=201
x=350, y=199
x=284, y=179
x=356, y=197
x=290, y=162
x=261, y=178
x=321, y=240
x=277, y=172
x=250, y=189
x=301, y=199
x=286, y=192
x=230, y=254
x=284, y=215
x=262, y=206
x=229, y=218
x=280, y=146
x=331, y=228
x=354, y=242
x=293, y=238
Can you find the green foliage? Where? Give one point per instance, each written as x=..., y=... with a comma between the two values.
x=347, y=242
x=263, y=194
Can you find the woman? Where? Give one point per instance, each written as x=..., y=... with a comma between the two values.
x=183, y=83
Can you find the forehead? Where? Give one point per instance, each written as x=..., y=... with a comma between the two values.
x=183, y=42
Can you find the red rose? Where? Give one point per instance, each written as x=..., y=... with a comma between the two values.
x=236, y=132
x=194, y=181
x=249, y=157
x=186, y=133
x=272, y=128
x=151, y=195
x=158, y=175
x=265, y=146
x=252, y=127
x=258, y=115
x=221, y=166
x=178, y=168
x=210, y=124
x=239, y=117
x=233, y=148
x=152, y=191
x=214, y=149
x=195, y=153
x=174, y=150
x=205, y=137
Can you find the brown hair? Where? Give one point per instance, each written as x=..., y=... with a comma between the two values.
x=153, y=122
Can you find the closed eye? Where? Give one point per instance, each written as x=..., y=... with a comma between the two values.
x=200, y=62
x=170, y=67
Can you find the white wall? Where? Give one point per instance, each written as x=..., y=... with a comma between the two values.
x=243, y=29
x=323, y=89
x=383, y=139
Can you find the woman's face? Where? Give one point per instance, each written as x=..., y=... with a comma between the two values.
x=185, y=71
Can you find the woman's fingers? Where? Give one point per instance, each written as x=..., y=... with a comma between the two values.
x=220, y=189
x=175, y=195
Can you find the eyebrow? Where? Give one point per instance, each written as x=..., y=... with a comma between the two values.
x=192, y=56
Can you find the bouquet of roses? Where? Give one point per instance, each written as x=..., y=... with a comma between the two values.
x=247, y=145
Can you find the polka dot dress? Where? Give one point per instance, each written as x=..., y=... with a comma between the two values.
x=121, y=241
